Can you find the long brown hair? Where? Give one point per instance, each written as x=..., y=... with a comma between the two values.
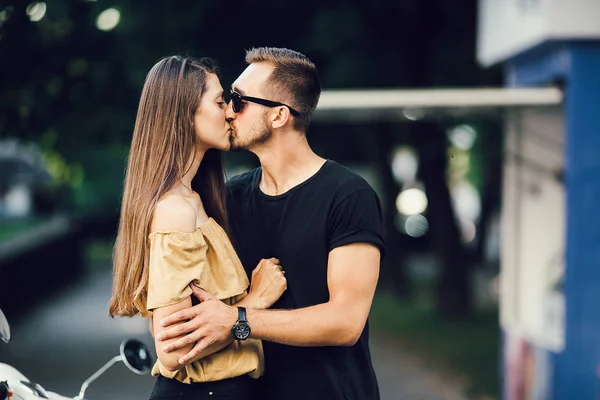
x=163, y=140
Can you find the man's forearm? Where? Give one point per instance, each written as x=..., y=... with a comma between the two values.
x=326, y=324
x=248, y=301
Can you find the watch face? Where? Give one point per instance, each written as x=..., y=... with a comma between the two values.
x=241, y=330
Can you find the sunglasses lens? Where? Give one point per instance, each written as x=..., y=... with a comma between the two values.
x=236, y=102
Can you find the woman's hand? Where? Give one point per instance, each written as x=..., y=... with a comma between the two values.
x=268, y=283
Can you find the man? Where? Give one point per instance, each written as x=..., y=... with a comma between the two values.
x=322, y=221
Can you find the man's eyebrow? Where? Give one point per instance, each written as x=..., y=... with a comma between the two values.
x=240, y=91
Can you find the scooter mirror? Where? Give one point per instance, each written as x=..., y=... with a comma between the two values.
x=4, y=328
x=136, y=356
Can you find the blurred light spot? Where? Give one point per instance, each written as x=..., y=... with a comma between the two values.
x=108, y=19
x=459, y=162
x=76, y=175
x=416, y=225
x=411, y=201
x=466, y=200
x=468, y=230
x=404, y=164
x=36, y=11
x=5, y=14
x=413, y=114
x=462, y=136
x=18, y=201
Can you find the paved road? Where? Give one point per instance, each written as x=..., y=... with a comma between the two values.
x=63, y=341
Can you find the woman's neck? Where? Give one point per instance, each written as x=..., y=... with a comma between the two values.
x=192, y=168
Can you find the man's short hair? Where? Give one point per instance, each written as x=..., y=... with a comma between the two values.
x=294, y=77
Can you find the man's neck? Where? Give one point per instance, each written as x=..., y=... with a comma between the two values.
x=286, y=163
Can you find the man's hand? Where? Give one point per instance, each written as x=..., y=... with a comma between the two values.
x=208, y=325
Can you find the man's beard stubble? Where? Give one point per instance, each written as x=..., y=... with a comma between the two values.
x=258, y=135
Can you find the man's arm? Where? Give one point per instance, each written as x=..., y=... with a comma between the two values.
x=352, y=276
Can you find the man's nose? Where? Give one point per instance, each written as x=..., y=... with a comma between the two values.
x=229, y=114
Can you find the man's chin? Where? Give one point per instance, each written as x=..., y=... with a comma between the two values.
x=235, y=146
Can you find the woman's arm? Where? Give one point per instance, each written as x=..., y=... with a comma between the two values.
x=169, y=360
x=172, y=213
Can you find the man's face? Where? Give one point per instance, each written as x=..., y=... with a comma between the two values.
x=249, y=126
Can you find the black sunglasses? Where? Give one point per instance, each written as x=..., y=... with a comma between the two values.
x=236, y=102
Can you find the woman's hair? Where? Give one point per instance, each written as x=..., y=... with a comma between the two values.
x=163, y=141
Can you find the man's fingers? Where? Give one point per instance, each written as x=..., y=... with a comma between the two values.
x=274, y=260
x=183, y=315
x=176, y=331
x=182, y=342
x=198, y=348
x=200, y=294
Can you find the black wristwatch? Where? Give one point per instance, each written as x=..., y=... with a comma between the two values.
x=241, y=329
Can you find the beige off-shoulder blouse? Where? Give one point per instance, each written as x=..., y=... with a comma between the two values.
x=205, y=257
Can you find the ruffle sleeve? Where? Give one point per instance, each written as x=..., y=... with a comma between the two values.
x=176, y=259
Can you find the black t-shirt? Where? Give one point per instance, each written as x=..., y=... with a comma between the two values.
x=333, y=208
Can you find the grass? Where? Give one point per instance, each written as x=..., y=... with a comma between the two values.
x=467, y=349
x=10, y=228
x=99, y=251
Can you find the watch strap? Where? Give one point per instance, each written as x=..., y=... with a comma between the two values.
x=242, y=314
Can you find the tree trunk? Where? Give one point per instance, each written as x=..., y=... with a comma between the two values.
x=393, y=271
x=453, y=297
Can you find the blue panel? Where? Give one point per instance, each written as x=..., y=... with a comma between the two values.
x=576, y=368
x=541, y=65
x=577, y=65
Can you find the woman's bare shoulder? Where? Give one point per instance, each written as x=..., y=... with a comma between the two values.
x=173, y=212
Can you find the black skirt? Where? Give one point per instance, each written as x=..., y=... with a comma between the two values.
x=238, y=388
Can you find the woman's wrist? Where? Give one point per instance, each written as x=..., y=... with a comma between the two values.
x=251, y=301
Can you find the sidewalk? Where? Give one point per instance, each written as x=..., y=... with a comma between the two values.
x=69, y=337
x=401, y=376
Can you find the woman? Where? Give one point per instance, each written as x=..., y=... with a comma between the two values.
x=172, y=230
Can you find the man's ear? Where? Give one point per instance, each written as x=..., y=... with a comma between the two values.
x=280, y=118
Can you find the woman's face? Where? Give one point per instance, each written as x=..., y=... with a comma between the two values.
x=212, y=130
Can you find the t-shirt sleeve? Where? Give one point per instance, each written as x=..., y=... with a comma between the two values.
x=176, y=259
x=356, y=218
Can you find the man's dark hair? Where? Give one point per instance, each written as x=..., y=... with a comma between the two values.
x=294, y=81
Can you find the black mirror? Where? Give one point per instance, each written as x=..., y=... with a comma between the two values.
x=4, y=328
x=136, y=356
